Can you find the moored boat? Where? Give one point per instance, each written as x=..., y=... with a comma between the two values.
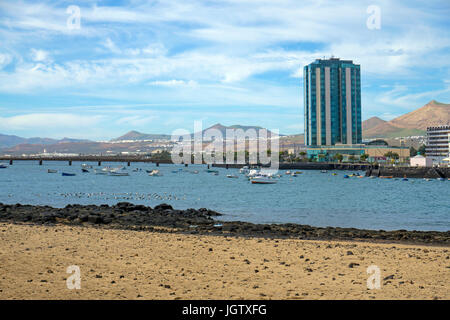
x=232, y=176
x=263, y=181
x=52, y=171
x=155, y=173
x=118, y=174
x=66, y=174
x=3, y=166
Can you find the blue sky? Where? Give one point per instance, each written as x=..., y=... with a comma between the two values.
x=156, y=66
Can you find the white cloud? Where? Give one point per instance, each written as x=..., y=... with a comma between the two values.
x=137, y=121
x=46, y=120
x=39, y=55
x=5, y=59
x=111, y=46
x=173, y=83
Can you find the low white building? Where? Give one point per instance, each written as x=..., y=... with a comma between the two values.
x=420, y=161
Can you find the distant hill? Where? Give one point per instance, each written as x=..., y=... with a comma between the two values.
x=372, y=123
x=223, y=129
x=138, y=136
x=8, y=141
x=432, y=114
x=413, y=123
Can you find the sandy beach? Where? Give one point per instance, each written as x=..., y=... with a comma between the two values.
x=127, y=264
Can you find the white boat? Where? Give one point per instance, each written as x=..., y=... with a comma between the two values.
x=253, y=173
x=3, y=166
x=117, y=169
x=232, y=176
x=118, y=174
x=244, y=170
x=288, y=172
x=155, y=173
x=262, y=180
x=86, y=166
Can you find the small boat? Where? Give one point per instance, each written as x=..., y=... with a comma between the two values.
x=360, y=176
x=298, y=172
x=386, y=177
x=155, y=173
x=293, y=174
x=52, y=171
x=441, y=179
x=334, y=174
x=3, y=166
x=84, y=170
x=232, y=176
x=118, y=174
x=212, y=171
x=346, y=176
x=66, y=174
x=323, y=171
x=372, y=177
x=288, y=172
x=263, y=181
x=103, y=173
x=86, y=166
x=405, y=179
x=244, y=170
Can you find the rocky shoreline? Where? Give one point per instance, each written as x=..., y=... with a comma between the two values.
x=163, y=218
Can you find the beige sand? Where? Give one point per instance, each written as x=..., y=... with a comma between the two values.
x=118, y=264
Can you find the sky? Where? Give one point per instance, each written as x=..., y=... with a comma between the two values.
x=98, y=69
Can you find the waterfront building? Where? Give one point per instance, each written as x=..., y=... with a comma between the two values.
x=332, y=102
x=421, y=161
x=376, y=152
x=438, y=143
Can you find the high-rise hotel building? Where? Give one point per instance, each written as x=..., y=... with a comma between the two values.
x=332, y=100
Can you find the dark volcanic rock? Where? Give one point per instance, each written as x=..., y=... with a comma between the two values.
x=163, y=206
x=126, y=215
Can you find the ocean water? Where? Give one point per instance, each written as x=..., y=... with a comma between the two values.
x=314, y=198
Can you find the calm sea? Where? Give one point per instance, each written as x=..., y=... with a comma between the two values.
x=314, y=198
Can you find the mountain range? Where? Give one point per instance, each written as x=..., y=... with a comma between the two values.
x=411, y=124
x=7, y=141
x=414, y=123
x=138, y=136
